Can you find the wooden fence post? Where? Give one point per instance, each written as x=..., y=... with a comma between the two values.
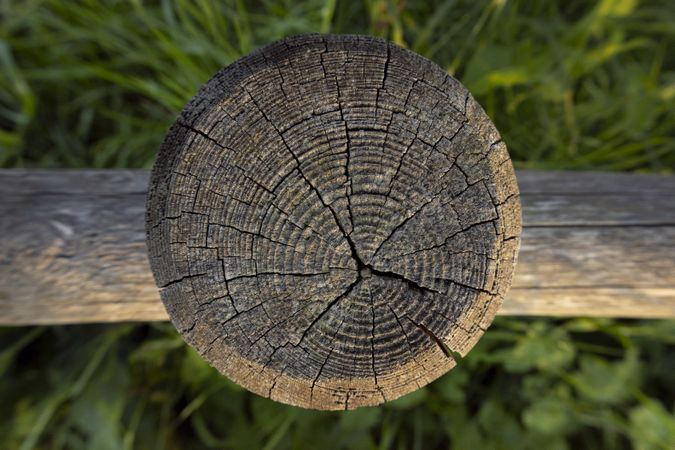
x=332, y=220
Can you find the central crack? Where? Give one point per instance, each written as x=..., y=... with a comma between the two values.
x=365, y=271
x=355, y=255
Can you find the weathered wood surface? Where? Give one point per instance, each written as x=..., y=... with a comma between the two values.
x=72, y=247
x=330, y=219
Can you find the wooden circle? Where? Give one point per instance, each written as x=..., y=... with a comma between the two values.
x=332, y=220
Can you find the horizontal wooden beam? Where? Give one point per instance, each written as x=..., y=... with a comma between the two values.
x=72, y=247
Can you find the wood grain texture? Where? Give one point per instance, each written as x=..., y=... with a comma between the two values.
x=72, y=247
x=331, y=220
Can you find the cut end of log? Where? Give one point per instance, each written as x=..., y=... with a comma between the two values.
x=331, y=220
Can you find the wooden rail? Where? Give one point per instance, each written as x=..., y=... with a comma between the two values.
x=72, y=247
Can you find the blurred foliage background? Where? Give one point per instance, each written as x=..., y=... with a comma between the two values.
x=570, y=85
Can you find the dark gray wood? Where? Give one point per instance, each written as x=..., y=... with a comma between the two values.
x=72, y=247
x=536, y=182
x=331, y=219
x=55, y=265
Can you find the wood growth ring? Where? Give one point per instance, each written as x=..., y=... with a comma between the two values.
x=332, y=220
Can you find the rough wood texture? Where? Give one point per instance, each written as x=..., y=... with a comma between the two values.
x=72, y=247
x=331, y=220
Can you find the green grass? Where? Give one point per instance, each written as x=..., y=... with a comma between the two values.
x=528, y=384
x=570, y=85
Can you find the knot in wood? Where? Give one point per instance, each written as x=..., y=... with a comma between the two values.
x=332, y=220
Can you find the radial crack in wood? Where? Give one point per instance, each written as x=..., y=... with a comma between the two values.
x=333, y=221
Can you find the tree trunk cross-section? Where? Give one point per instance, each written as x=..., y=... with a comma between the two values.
x=332, y=220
